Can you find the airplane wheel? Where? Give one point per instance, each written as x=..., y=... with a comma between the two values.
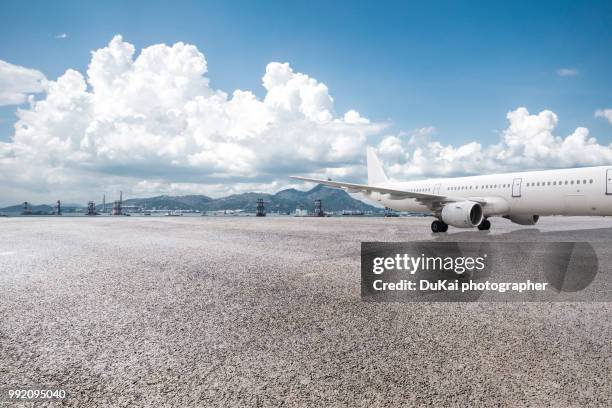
x=438, y=226
x=485, y=225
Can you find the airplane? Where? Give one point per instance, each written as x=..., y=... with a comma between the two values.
x=469, y=202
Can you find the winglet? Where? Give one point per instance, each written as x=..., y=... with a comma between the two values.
x=376, y=174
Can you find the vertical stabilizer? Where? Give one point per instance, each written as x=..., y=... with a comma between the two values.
x=376, y=175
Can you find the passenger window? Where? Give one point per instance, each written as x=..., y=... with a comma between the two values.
x=572, y=182
x=577, y=181
x=566, y=182
x=554, y=183
x=583, y=181
x=591, y=181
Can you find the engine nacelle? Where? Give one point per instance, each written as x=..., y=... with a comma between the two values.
x=523, y=219
x=463, y=214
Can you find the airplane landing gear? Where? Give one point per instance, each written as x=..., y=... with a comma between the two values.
x=485, y=225
x=439, y=226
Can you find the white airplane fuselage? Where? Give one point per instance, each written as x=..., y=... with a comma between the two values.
x=577, y=191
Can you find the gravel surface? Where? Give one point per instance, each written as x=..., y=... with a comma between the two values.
x=244, y=311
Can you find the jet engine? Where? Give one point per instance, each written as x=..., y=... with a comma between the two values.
x=462, y=214
x=523, y=219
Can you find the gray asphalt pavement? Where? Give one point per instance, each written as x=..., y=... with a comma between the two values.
x=243, y=311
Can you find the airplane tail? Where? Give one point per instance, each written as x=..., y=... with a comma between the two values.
x=376, y=174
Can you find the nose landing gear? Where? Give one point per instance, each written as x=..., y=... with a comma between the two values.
x=439, y=226
x=485, y=225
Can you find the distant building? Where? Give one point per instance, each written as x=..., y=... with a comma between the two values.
x=131, y=209
x=318, y=210
x=390, y=212
x=261, y=209
x=117, y=210
x=301, y=212
x=27, y=208
x=91, y=208
x=352, y=212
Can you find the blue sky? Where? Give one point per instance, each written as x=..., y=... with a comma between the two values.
x=458, y=66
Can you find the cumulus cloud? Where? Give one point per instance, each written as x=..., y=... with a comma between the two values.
x=565, y=72
x=61, y=36
x=17, y=82
x=528, y=142
x=604, y=113
x=153, y=116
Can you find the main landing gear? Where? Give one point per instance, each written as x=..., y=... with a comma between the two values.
x=439, y=226
x=485, y=225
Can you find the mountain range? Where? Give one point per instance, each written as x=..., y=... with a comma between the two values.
x=284, y=201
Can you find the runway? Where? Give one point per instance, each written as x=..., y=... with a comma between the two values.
x=245, y=311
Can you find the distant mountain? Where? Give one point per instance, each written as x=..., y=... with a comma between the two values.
x=164, y=202
x=36, y=209
x=284, y=201
x=41, y=209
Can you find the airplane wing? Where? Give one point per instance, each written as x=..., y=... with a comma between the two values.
x=432, y=201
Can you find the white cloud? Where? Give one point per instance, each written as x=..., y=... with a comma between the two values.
x=528, y=142
x=565, y=72
x=61, y=36
x=17, y=82
x=604, y=113
x=153, y=116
